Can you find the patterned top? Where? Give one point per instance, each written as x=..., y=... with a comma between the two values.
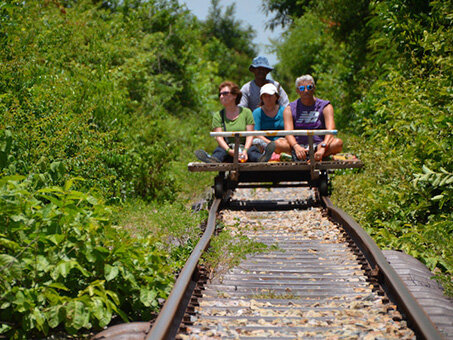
x=308, y=118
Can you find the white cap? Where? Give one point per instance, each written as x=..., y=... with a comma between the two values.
x=268, y=88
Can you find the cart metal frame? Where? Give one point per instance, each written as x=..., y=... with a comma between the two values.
x=273, y=174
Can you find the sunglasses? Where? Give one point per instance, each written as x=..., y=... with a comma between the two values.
x=309, y=88
x=224, y=93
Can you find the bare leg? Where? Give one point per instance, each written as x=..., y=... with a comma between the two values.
x=282, y=145
x=335, y=147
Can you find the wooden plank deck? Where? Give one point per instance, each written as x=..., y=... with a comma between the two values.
x=274, y=166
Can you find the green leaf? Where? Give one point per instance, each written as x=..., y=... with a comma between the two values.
x=76, y=195
x=61, y=269
x=40, y=319
x=113, y=296
x=92, y=200
x=69, y=183
x=101, y=312
x=77, y=316
x=13, y=178
x=55, y=315
x=7, y=260
x=64, y=267
x=148, y=297
x=51, y=190
x=123, y=315
x=18, y=218
x=58, y=285
x=56, y=238
x=110, y=272
x=4, y=328
x=21, y=302
x=10, y=267
x=9, y=244
x=41, y=263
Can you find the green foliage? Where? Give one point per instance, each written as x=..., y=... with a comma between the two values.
x=64, y=265
x=347, y=22
x=173, y=226
x=439, y=182
x=327, y=39
x=192, y=134
x=285, y=11
x=398, y=208
x=93, y=87
x=179, y=226
x=403, y=118
x=308, y=49
x=228, y=44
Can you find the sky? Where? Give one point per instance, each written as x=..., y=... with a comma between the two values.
x=250, y=13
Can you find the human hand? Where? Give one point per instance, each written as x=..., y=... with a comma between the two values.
x=301, y=153
x=319, y=154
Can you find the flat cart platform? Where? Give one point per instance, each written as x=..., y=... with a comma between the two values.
x=301, y=173
x=275, y=166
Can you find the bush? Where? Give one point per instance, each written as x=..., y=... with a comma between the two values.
x=64, y=265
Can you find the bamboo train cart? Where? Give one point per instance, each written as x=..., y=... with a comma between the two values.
x=273, y=174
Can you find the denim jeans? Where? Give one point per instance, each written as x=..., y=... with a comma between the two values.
x=253, y=154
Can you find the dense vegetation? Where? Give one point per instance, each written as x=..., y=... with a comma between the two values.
x=387, y=68
x=103, y=102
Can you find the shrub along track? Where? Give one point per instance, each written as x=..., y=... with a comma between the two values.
x=319, y=279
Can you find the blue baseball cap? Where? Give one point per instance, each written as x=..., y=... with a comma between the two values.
x=261, y=61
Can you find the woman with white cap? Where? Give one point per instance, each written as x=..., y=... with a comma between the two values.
x=269, y=116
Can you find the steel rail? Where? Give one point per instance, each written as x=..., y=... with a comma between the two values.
x=167, y=322
x=273, y=133
x=387, y=276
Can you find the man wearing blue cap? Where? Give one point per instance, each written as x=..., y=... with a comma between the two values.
x=251, y=91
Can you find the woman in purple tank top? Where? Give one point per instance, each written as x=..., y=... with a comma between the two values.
x=310, y=113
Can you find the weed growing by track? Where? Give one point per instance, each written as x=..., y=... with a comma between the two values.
x=228, y=248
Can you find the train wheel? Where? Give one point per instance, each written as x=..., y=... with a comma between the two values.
x=218, y=187
x=323, y=186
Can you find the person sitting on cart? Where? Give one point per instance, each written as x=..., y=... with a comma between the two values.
x=231, y=118
x=310, y=113
x=269, y=116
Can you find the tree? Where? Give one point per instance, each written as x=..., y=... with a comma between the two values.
x=285, y=11
x=228, y=42
x=341, y=31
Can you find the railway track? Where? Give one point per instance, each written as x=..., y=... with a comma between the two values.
x=321, y=277
x=311, y=285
